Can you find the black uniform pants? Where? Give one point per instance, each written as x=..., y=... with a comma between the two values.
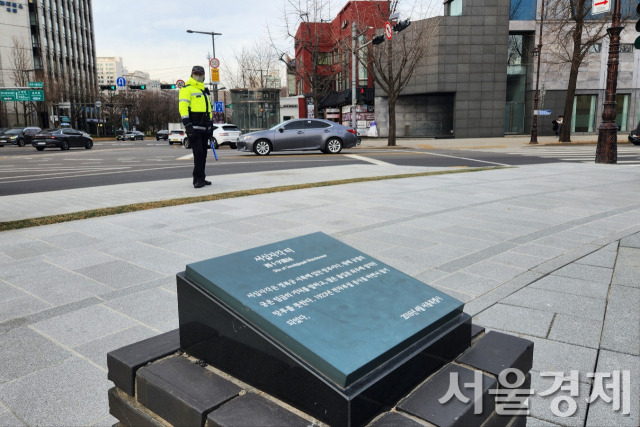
x=199, y=145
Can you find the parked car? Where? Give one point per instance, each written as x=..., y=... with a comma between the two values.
x=62, y=139
x=300, y=134
x=18, y=136
x=121, y=136
x=130, y=136
x=634, y=136
x=179, y=136
x=162, y=134
x=225, y=134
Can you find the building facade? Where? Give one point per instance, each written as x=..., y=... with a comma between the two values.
x=108, y=69
x=324, y=59
x=479, y=75
x=53, y=42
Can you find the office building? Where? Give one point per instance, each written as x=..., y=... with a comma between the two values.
x=53, y=42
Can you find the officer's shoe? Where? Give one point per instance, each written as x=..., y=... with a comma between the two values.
x=206, y=182
x=199, y=184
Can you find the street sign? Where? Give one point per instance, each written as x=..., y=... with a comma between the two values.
x=542, y=112
x=36, y=84
x=121, y=81
x=98, y=104
x=65, y=119
x=21, y=95
x=215, y=75
x=214, y=62
x=388, y=31
x=180, y=84
x=218, y=107
x=600, y=6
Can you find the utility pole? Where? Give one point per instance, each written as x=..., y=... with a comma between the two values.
x=534, y=125
x=353, y=75
x=607, y=150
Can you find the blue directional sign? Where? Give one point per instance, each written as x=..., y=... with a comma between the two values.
x=218, y=107
x=543, y=112
x=121, y=81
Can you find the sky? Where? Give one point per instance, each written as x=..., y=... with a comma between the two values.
x=151, y=35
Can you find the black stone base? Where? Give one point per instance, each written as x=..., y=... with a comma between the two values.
x=213, y=333
x=175, y=390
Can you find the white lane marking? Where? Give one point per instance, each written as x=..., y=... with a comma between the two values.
x=187, y=157
x=465, y=158
x=368, y=160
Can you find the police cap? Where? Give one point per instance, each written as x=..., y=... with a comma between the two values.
x=197, y=69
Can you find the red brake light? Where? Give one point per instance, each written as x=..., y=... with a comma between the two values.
x=351, y=131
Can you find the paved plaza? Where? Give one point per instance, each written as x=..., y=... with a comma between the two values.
x=550, y=253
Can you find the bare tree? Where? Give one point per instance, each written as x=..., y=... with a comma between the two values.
x=254, y=67
x=394, y=61
x=573, y=33
x=21, y=69
x=304, y=23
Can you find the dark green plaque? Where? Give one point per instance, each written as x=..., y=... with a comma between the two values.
x=337, y=309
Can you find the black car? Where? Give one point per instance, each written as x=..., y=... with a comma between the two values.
x=162, y=134
x=18, y=136
x=136, y=135
x=62, y=139
x=634, y=136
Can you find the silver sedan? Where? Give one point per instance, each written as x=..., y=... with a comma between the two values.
x=299, y=134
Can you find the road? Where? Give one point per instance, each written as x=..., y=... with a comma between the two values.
x=24, y=170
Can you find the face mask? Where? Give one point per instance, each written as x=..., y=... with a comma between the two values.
x=198, y=78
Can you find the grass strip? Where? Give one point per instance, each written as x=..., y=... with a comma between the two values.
x=135, y=207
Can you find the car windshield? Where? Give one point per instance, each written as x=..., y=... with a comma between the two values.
x=47, y=130
x=231, y=128
x=176, y=131
x=13, y=131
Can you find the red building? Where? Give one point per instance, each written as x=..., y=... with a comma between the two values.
x=323, y=55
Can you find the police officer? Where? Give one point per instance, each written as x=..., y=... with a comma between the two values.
x=195, y=111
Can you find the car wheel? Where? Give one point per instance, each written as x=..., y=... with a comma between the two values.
x=233, y=146
x=88, y=145
x=186, y=143
x=64, y=145
x=21, y=142
x=170, y=142
x=635, y=142
x=262, y=147
x=334, y=146
x=215, y=143
x=40, y=148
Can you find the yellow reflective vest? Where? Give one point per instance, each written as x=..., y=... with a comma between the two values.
x=192, y=103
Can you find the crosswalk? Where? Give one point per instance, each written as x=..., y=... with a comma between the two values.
x=627, y=154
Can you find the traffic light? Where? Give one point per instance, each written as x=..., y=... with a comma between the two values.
x=637, y=42
x=138, y=87
x=229, y=105
x=167, y=86
x=401, y=25
x=378, y=39
x=107, y=87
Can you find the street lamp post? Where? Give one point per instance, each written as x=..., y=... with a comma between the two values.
x=607, y=150
x=354, y=59
x=213, y=42
x=534, y=124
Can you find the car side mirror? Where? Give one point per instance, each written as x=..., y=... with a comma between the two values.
x=281, y=129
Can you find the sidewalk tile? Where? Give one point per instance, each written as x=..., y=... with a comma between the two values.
x=118, y=274
x=569, y=285
x=621, y=332
x=154, y=308
x=586, y=272
x=97, y=350
x=557, y=302
x=84, y=325
x=602, y=413
x=71, y=240
x=512, y=319
x=541, y=406
x=601, y=258
x=576, y=330
x=21, y=306
x=555, y=356
x=27, y=249
x=467, y=283
x=23, y=351
x=626, y=276
x=498, y=272
x=631, y=241
x=71, y=393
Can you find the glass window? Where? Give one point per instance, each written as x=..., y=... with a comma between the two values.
x=595, y=48
x=295, y=125
x=316, y=124
x=522, y=10
x=453, y=8
x=622, y=110
x=626, y=47
x=324, y=58
x=584, y=111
